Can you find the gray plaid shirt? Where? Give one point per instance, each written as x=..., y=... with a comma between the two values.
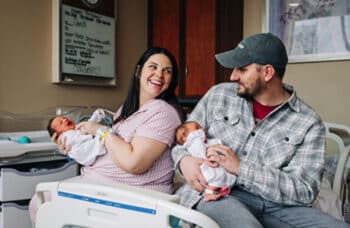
x=282, y=157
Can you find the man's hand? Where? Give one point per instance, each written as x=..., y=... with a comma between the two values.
x=190, y=168
x=225, y=157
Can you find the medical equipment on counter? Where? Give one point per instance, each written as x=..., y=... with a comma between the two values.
x=77, y=203
x=36, y=121
x=11, y=149
x=21, y=139
x=22, y=167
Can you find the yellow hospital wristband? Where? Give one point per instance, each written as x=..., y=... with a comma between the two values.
x=104, y=135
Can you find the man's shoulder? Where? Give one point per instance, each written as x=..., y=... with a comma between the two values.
x=222, y=94
x=307, y=116
x=226, y=88
x=307, y=109
x=300, y=106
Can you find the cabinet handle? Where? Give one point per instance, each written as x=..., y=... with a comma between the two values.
x=186, y=71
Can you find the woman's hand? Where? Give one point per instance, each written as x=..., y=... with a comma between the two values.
x=190, y=168
x=54, y=138
x=61, y=142
x=225, y=157
x=88, y=127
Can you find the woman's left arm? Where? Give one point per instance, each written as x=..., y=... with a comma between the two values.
x=137, y=156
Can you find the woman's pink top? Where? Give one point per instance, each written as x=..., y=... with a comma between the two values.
x=156, y=120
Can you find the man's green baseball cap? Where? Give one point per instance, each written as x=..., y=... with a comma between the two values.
x=262, y=48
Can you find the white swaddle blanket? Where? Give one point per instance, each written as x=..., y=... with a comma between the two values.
x=196, y=146
x=84, y=148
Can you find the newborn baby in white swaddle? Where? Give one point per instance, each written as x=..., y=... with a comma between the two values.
x=193, y=137
x=84, y=148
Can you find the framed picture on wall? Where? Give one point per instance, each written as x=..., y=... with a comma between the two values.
x=83, y=42
x=312, y=30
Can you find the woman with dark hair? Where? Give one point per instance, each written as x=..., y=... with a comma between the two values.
x=132, y=101
x=138, y=145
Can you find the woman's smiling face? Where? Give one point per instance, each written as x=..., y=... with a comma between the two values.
x=155, y=77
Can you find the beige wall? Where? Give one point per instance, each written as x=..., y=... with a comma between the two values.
x=25, y=57
x=26, y=54
x=324, y=85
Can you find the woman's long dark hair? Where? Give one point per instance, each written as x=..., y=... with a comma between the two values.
x=132, y=101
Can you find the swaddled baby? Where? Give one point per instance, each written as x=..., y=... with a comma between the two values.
x=84, y=148
x=193, y=137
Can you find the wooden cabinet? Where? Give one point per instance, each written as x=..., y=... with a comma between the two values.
x=194, y=31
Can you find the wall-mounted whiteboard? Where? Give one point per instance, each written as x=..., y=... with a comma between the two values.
x=84, y=43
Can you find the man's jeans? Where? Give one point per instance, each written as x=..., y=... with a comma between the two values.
x=242, y=209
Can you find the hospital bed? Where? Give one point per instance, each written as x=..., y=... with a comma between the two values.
x=340, y=134
x=81, y=204
x=87, y=204
x=333, y=197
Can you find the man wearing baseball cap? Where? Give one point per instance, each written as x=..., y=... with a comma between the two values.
x=272, y=140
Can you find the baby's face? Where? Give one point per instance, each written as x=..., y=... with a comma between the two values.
x=61, y=124
x=183, y=132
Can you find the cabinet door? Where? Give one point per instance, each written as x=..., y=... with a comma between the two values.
x=164, y=27
x=200, y=46
x=187, y=29
x=194, y=31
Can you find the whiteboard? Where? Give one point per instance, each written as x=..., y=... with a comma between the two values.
x=87, y=43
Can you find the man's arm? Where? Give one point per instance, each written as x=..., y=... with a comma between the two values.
x=189, y=167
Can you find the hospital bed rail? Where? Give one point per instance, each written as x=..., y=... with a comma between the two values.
x=83, y=204
x=340, y=134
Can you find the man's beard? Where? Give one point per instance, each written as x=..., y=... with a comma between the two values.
x=245, y=95
x=250, y=94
